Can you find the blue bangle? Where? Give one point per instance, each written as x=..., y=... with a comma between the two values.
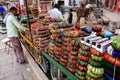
x=108, y=77
x=116, y=53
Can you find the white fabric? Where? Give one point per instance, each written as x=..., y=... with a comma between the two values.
x=55, y=13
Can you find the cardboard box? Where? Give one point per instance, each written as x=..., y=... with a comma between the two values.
x=102, y=47
x=95, y=43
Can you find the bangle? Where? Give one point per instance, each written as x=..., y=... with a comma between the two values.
x=108, y=77
x=84, y=47
x=83, y=58
x=80, y=72
x=97, y=58
x=44, y=32
x=112, y=60
x=95, y=70
x=71, y=57
x=70, y=69
x=63, y=60
x=95, y=52
x=116, y=53
x=110, y=66
x=95, y=76
x=85, y=53
x=82, y=63
x=80, y=77
x=44, y=35
x=45, y=38
x=65, y=52
x=111, y=74
x=71, y=65
x=116, y=44
x=67, y=48
x=96, y=64
x=82, y=68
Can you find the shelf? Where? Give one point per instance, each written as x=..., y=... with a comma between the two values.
x=66, y=72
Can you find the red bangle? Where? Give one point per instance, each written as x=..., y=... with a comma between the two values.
x=63, y=60
x=83, y=58
x=81, y=68
x=95, y=52
x=109, y=58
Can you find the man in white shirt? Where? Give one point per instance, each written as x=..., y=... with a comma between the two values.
x=55, y=13
x=12, y=32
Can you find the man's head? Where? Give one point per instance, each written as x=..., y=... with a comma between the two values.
x=56, y=6
x=13, y=10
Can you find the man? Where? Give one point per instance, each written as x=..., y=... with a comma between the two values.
x=61, y=7
x=2, y=11
x=55, y=13
x=12, y=32
x=80, y=12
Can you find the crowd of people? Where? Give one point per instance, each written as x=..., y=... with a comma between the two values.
x=58, y=11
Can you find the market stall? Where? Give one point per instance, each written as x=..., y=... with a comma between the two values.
x=71, y=51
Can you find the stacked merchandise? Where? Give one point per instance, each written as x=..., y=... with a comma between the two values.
x=34, y=11
x=83, y=59
x=112, y=61
x=74, y=50
x=57, y=30
x=65, y=49
x=35, y=35
x=44, y=37
x=95, y=68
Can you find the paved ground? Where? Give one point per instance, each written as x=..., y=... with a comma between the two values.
x=9, y=69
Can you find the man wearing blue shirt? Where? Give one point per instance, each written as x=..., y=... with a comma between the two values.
x=2, y=11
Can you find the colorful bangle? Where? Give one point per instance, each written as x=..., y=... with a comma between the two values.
x=95, y=52
x=85, y=53
x=83, y=58
x=112, y=59
x=82, y=62
x=96, y=64
x=108, y=77
x=98, y=76
x=96, y=58
x=80, y=72
x=70, y=69
x=80, y=77
x=116, y=53
x=111, y=74
x=63, y=60
x=116, y=44
x=82, y=68
x=95, y=70
x=84, y=47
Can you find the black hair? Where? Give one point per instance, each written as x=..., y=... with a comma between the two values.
x=71, y=10
x=56, y=6
x=82, y=5
x=13, y=8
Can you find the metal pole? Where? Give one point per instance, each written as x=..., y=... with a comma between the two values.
x=29, y=25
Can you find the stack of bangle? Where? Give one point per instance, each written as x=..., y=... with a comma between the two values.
x=112, y=59
x=94, y=70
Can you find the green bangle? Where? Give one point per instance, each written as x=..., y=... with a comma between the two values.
x=82, y=63
x=89, y=78
x=94, y=75
x=95, y=70
x=80, y=77
x=84, y=47
x=85, y=53
x=110, y=66
x=96, y=64
x=80, y=72
x=97, y=58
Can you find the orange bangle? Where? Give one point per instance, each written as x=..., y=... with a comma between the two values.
x=95, y=52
